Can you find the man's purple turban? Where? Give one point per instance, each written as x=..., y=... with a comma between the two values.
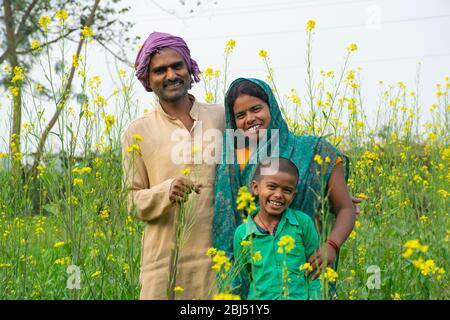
x=159, y=40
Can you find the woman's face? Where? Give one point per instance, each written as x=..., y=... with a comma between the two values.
x=251, y=114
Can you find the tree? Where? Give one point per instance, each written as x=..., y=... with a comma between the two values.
x=20, y=22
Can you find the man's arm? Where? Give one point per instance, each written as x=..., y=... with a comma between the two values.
x=150, y=201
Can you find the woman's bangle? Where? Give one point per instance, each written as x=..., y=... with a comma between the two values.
x=333, y=245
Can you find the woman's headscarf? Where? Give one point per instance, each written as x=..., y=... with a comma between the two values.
x=299, y=149
x=157, y=41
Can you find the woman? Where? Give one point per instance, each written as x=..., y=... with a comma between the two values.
x=250, y=105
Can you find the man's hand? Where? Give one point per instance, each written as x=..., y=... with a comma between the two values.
x=320, y=259
x=355, y=202
x=181, y=187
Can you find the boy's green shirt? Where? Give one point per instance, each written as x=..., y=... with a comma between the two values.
x=265, y=275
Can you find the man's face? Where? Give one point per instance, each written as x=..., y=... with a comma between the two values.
x=169, y=77
x=275, y=192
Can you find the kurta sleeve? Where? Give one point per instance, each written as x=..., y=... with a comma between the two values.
x=150, y=201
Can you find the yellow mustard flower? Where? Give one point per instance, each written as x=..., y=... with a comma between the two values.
x=62, y=15
x=310, y=25
x=178, y=289
x=59, y=244
x=44, y=22
x=77, y=182
x=330, y=275
x=226, y=296
x=352, y=47
x=136, y=137
x=263, y=54
x=286, y=244
x=96, y=274
x=229, y=46
x=211, y=252
x=87, y=32
x=318, y=159
x=396, y=296
x=257, y=256
x=306, y=266
x=35, y=44
x=185, y=172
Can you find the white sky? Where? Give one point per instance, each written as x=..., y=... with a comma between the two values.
x=392, y=36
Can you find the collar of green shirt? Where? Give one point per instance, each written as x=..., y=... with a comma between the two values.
x=288, y=216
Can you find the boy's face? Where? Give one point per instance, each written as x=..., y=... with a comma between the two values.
x=275, y=191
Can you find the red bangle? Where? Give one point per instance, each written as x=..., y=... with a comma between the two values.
x=333, y=245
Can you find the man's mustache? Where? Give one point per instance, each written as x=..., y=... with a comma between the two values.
x=171, y=82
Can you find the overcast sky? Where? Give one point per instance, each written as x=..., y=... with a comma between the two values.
x=393, y=36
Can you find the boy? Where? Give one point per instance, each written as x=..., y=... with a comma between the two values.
x=273, y=245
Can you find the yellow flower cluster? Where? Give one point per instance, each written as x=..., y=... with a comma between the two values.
x=96, y=274
x=310, y=25
x=352, y=47
x=211, y=252
x=257, y=256
x=100, y=101
x=246, y=243
x=428, y=267
x=286, y=244
x=62, y=15
x=318, y=159
x=134, y=148
x=59, y=244
x=87, y=32
x=229, y=47
x=62, y=261
x=226, y=296
x=412, y=245
x=77, y=182
x=245, y=200
x=185, y=172
x=36, y=44
x=263, y=54
x=82, y=170
x=44, y=22
x=18, y=74
x=396, y=296
x=209, y=97
x=219, y=259
x=330, y=275
x=104, y=214
x=178, y=289
x=109, y=122
x=41, y=170
x=306, y=266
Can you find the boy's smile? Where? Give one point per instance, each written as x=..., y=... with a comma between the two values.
x=276, y=192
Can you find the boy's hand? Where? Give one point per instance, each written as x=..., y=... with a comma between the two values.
x=181, y=187
x=320, y=259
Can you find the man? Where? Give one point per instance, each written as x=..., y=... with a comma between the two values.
x=152, y=168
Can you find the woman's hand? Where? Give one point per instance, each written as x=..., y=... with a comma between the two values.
x=320, y=259
x=355, y=202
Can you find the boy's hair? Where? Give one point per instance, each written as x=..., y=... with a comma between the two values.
x=274, y=165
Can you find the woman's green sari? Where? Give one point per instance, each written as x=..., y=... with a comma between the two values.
x=300, y=149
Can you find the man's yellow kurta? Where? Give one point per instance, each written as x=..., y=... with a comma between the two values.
x=149, y=173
